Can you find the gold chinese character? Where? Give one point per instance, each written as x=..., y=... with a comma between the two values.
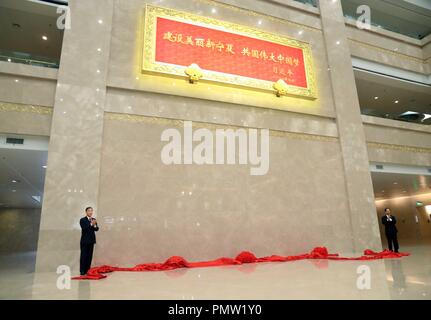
x=290, y=73
x=229, y=48
x=169, y=36
x=255, y=53
x=200, y=42
x=210, y=44
x=289, y=61
x=280, y=58
x=220, y=46
x=245, y=52
x=296, y=62
x=263, y=55
x=190, y=40
x=272, y=57
x=180, y=38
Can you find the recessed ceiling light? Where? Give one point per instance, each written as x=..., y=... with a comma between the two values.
x=44, y=167
x=396, y=101
x=338, y=42
x=9, y=60
x=259, y=22
x=16, y=80
x=213, y=10
x=100, y=21
x=375, y=98
x=44, y=38
x=14, y=181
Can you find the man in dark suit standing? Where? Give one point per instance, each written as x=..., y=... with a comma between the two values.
x=391, y=231
x=88, y=239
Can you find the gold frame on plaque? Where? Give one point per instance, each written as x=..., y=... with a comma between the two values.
x=149, y=64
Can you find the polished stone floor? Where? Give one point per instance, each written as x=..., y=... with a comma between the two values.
x=408, y=278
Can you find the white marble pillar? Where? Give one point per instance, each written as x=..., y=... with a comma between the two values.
x=72, y=178
x=362, y=214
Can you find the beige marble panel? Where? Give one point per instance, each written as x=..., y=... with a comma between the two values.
x=351, y=133
x=394, y=50
x=19, y=228
x=383, y=122
x=387, y=153
x=380, y=134
x=20, y=69
x=27, y=90
x=279, y=10
x=25, y=119
x=126, y=47
x=72, y=177
x=395, y=46
x=381, y=32
x=175, y=107
x=427, y=56
x=391, y=141
x=149, y=211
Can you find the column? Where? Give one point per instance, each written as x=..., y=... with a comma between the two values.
x=72, y=177
x=362, y=214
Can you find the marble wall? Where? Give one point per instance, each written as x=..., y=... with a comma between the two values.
x=19, y=230
x=390, y=141
x=105, y=118
x=150, y=211
x=105, y=147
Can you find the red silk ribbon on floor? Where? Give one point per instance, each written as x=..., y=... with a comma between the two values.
x=177, y=262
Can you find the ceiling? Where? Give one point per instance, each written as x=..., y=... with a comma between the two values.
x=22, y=25
x=410, y=96
x=405, y=17
x=391, y=185
x=25, y=167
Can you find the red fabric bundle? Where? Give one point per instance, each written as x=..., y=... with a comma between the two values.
x=244, y=257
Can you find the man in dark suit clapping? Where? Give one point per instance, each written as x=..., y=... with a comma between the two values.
x=391, y=231
x=88, y=239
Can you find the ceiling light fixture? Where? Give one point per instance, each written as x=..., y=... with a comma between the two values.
x=44, y=38
x=375, y=98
